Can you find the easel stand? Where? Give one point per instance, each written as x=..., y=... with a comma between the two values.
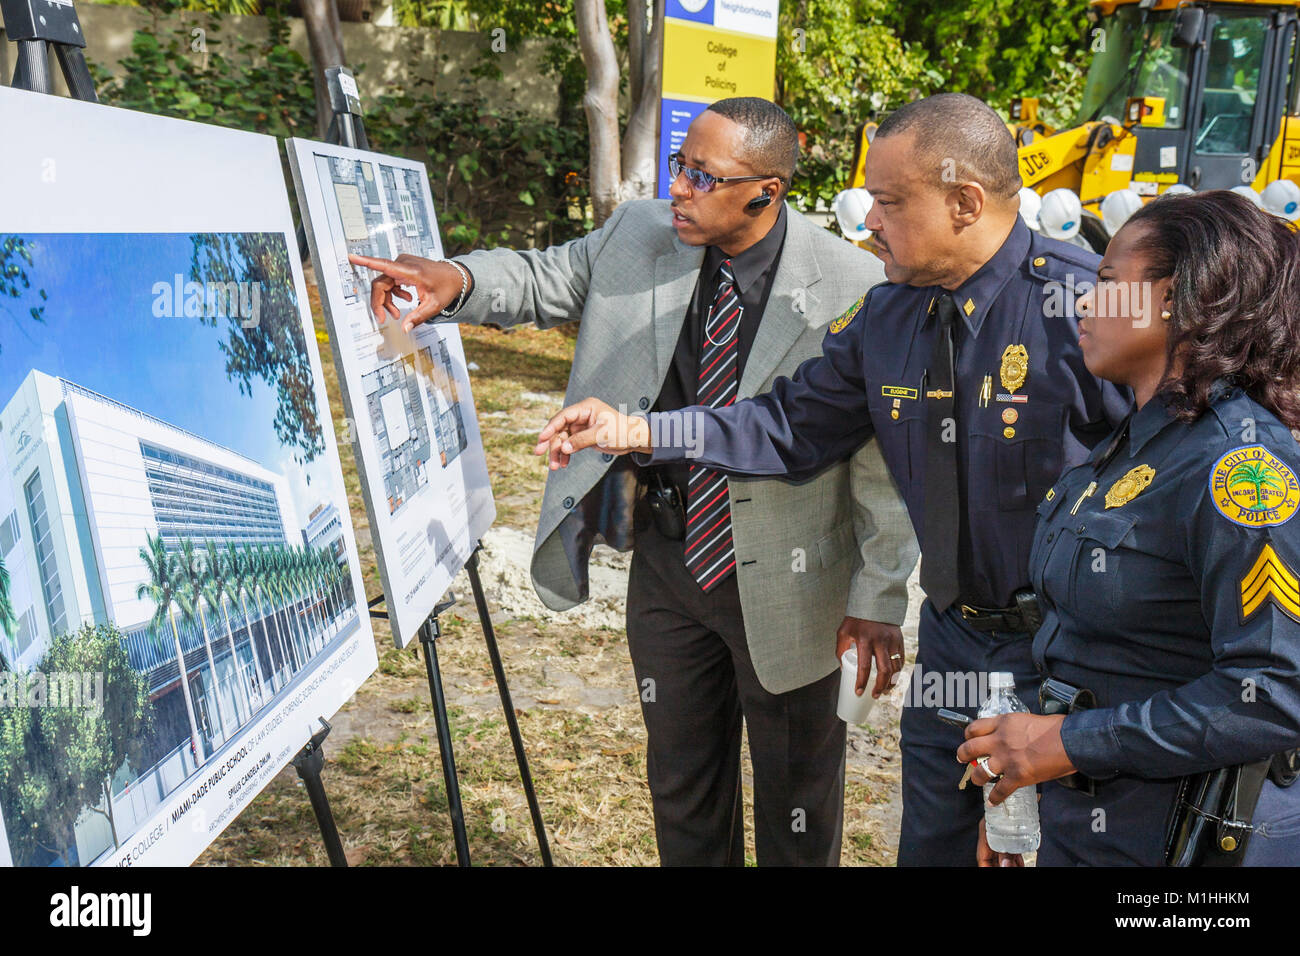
x=311, y=759
x=309, y=762
x=346, y=126
x=430, y=631
x=36, y=26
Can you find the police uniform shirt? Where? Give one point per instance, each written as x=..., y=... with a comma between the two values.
x=1171, y=578
x=1026, y=406
x=754, y=270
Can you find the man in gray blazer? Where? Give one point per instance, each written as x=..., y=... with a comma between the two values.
x=741, y=592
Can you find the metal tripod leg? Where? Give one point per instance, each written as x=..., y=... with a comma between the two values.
x=309, y=762
x=429, y=633
x=521, y=758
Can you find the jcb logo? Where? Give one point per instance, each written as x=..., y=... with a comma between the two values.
x=1034, y=162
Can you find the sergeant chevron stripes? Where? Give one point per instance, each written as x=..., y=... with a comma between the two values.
x=1269, y=578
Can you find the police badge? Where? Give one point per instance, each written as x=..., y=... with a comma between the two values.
x=1015, y=367
x=1130, y=486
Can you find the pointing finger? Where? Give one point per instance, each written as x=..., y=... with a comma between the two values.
x=398, y=270
x=562, y=419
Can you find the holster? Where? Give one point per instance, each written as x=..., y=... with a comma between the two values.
x=666, y=508
x=1058, y=697
x=1024, y=615
x=1214, y=811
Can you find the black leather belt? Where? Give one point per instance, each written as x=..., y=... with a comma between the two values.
x=1024, y=616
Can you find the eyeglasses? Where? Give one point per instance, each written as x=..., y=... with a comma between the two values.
x=703, y=182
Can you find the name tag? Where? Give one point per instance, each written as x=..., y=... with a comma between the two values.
x=897, y=391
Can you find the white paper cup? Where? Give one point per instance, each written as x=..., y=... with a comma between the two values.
x=853, y=709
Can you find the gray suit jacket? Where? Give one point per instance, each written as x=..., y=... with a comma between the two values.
x=806, y=554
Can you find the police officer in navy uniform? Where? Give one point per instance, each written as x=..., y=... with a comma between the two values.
x=1169, y=563
x=966, y=368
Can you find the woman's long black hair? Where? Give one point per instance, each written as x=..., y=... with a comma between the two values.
x=1235, y=299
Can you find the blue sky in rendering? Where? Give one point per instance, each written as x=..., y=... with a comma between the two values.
x=100, y=332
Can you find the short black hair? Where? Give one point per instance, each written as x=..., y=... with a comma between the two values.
x=771, y=141
x=962, y=139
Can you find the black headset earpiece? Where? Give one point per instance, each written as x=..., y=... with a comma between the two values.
x=759, y=201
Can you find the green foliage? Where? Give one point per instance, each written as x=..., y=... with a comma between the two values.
x=842, y=62
x=15, y=260
x=837, y=62
x=55, y=760
x=436, y=14
x=262, y=86
x=499, y=177
x=998, y=49
x=274, y=348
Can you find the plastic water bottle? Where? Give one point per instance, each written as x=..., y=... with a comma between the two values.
x=1011, y=826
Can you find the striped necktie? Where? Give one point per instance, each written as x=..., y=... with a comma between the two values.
x=708, y=550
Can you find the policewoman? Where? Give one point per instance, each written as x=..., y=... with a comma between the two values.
x=966, y=368
x=1168, y=565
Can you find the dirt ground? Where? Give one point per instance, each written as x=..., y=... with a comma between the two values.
x=569, y=674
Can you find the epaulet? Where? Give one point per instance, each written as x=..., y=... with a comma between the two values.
x=1244, y=420
x=1051, y=259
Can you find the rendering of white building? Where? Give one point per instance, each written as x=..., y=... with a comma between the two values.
x=87, y=482
x=325, y=530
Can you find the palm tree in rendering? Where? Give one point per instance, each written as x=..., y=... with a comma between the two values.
x=192, y=574
x=323, y=561
x=265, y=576
x=8, y=620
x=302, y=577
x=239, y=582
x=166, y=590
x=216, y=588
x=311, y=581
x=282, y=583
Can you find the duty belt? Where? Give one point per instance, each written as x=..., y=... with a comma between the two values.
x=1023, y=616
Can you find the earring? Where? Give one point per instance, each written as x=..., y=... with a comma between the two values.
x=1166, y=315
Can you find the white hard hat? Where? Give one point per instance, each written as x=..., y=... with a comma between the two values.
x=1281, y=197
x=1117, y=207
x=851, y=207
x=1178, y=189
x=1030, y=203
x=1061, y=214
x=1245, y=192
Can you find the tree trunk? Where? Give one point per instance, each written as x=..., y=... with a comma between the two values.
x=600, y=103
x=325, y=39
x=641, y=139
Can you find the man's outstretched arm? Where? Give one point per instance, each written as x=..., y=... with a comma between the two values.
x=803, y=424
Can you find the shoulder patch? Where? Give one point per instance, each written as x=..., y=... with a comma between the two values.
x=1270, y=579
x=847, y=316
x=1254, y=488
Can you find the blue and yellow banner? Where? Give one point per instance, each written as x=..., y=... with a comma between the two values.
x=713, y=49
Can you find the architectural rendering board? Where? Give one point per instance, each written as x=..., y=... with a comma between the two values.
x=424, y=474
x=182, y=595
